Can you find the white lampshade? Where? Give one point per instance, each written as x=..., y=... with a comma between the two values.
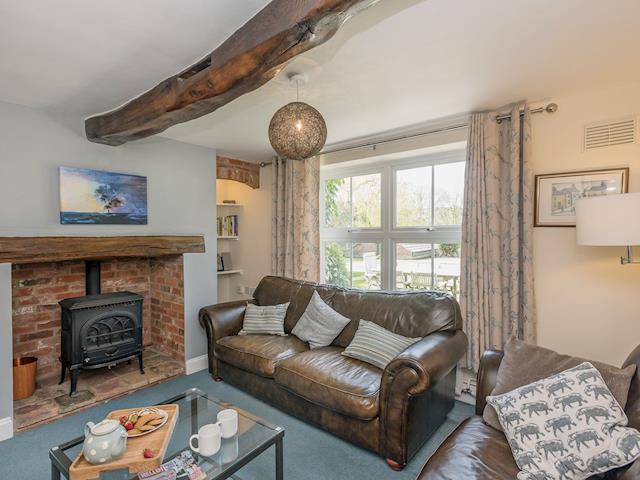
x=610, y=220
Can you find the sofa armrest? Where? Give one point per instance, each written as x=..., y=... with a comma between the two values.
x=425, y=362
x=413, y=400
x=221, y=320
x=487, y=376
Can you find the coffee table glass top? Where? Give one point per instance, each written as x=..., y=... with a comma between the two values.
x=197, y=409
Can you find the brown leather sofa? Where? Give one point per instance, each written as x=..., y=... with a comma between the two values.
x=391, y=412
x=476, y=451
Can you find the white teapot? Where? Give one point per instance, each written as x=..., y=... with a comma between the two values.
x=104, y=441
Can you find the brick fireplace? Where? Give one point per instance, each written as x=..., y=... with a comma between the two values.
x=37, y=288
x=45, y=272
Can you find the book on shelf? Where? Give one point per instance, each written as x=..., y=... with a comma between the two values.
x=228, y=226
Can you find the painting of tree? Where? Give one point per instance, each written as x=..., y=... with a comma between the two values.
x=109, y=197
x=97, y=197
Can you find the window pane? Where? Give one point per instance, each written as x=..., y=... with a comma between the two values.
x=337, y=263
x=449, y=190
x=414, y=266
x=366, y=266
x=354, y=265
x=413, y=197
x=337, y=202
x=447, y=268
x=366, y=200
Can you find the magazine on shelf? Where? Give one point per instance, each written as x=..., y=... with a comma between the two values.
x=181, y=467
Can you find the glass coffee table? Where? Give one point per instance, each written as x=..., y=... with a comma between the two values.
x=196, y=409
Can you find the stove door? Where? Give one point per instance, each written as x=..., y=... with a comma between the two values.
x=110, y=336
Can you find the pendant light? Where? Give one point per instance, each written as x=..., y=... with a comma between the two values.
x=297, y=130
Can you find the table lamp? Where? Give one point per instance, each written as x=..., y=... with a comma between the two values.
x=610, y=220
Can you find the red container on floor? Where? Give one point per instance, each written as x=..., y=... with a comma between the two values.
x=24, y=377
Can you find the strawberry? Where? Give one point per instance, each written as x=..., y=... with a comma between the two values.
x=147, y=453
x=123, y=420
x=128, y=426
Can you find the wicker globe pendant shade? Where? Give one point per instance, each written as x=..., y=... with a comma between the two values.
x=297, y=131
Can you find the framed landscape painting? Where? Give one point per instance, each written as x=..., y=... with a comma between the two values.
x=94, y=197
x=557, y=193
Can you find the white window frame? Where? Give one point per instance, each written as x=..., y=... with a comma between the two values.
x=388, y=235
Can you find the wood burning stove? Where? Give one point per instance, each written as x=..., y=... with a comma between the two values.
x=99, y=330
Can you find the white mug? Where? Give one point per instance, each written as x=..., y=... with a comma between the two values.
x=208, y=440
x=228, y=421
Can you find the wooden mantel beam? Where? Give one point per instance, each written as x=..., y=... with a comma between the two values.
x=20, y=250
x=248, y=59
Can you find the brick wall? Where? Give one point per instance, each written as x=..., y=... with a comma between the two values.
x=37, y=289
x=238, y=170
x=132, y=275
x=167, y=306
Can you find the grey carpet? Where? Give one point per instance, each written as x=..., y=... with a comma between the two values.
x=309, y=453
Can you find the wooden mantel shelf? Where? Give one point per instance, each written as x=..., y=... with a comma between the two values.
x=57, y=249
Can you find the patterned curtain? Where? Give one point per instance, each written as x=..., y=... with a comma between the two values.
x=295, y=219
x=497, y=297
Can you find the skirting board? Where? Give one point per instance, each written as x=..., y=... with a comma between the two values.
x=6, y=428
x=196, y=364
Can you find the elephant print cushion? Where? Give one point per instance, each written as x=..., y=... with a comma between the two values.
x=566, y=427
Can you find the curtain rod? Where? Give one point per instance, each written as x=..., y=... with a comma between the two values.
x=549, y=108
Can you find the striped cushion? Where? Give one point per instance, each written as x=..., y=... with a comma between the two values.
x=319, y=324
x=376, y=345
x=266, y=320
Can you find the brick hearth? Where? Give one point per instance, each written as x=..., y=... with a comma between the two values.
x=51, y=401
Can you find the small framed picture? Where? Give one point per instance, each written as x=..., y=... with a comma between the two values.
x=557, y=193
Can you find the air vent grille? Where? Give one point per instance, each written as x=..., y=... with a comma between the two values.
x=618, y=132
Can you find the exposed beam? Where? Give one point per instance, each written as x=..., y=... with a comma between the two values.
x=248, y=59
x=59, y=249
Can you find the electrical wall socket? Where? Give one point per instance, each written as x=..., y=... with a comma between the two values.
x=240, y=290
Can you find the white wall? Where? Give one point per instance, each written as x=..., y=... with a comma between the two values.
x=252, y=252
x=6, y=352
x=181, y=196
x=588, y=304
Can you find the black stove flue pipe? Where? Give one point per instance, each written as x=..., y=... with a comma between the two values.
x=92, y=277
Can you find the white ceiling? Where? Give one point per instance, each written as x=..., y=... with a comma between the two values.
x=87, y=56
x=401, y=63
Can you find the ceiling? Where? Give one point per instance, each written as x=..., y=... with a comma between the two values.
x=400, y=63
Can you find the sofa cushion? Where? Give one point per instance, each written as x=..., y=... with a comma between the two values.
x=377, y=345
x=258, y=353
x=264, y=320
x=566, y=426
x=524, y=364
x=320, y=324
x=474, y=451
x=324, y=377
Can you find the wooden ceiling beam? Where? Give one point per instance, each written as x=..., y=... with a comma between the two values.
x=248, y=59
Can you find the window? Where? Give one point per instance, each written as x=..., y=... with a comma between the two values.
x=353, y=202
x=353, y=264
x=395, y=225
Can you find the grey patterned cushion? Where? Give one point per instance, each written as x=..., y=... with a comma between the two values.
x=376, y=345
x=566, y=427
x=319, y=324
x=264, y=320
x=524, y=363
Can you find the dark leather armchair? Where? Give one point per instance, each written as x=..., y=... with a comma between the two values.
x=391, y=412
x=476, y=451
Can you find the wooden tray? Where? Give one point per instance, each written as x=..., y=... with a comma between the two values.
x=132, y=458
